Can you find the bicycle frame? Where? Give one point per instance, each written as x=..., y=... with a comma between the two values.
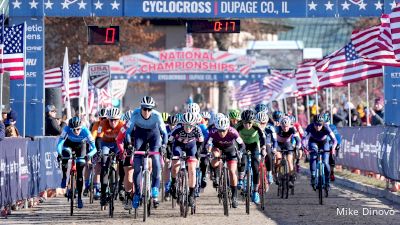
x=320, y=176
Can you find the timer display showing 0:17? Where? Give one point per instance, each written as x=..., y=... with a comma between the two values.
x=213, y=26
x=103, y=35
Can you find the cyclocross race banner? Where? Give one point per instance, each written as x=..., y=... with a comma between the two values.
x=192, y=64
x=202, y=8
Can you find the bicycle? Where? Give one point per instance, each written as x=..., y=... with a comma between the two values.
x=91, y=179
x=71, y=182
x=282, y=176
x=264, y=186
x=247, y=184
x=182, y=187
x=224, y=192
x=112, y=183
x=145, y=183
x=320, y=177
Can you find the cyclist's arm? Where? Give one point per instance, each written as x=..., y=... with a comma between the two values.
x=297, y=139
x=94, y=129
x=163, y=130
x=261, y=136
x=120, y=140
x=273, y=138
x=242, y=147
x=333, y=139
x=92, y=145
x=130, y=126
x=61, y=139
x=209, y=144
x=200, y=137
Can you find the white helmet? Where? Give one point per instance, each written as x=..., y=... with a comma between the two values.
x=189, y=118
x=199, y=118
x=114, y=113
x=127, y=115
x=286, y=121
x=193, y=108
x=147, y=102
x=222, y=123
x=262, y=117
x=206, y=115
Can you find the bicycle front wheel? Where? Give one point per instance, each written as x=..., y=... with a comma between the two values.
x=146, y=195
x=184, y=192
x=112, y=181
x=262, y=186
x=91, y=188
x=72, y=193
x=320, y=183
x=248, y=190
x=225, y=191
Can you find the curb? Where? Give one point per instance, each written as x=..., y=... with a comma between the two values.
x=365, y=188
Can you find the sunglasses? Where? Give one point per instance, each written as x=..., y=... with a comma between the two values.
x=76, y=129
x=146, y=109
x=221, y=131
x=318, y=124
x=249, y=122
x=114, y=120
x=188, y=126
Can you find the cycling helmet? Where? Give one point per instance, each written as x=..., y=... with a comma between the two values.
x=248, y=115
x=206, y=115
x=292, y=119
x=114, y=113
x=327, y=117
x=320, y=118
x=285, y=121
x=75, y=122
x=179, y=117
x=261, y=107
x=172, y=120
x=127, y=115
x=234, y=114
x=262, y=117
x=147, y=102
x=217, y=116
x=165, y=116
x=193, y=108
x=222, y=123
x=103, y=113
x=199, y=118
x=189, y=118
x=277, y=115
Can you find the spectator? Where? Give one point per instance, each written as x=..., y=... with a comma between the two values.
x=355, y=118
x=11, y=129
x=2, y=130
x=4, y=115
x=339, y=117
x=302, y=117
x=362, y=114
x=377, y=113
x=52, y=124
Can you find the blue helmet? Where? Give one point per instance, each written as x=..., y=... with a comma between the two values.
x=261, y=108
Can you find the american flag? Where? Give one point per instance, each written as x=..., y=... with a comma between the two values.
x=13, y=55
x=275, y=81
x=306, y=78
x=93, y=100
x=372, y=44
x=345, y=67
x=252, y=94
x=395, y=30
x=53, y=78
x=74, y=81
x=105, y=99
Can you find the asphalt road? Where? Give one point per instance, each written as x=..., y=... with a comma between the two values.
x=343, y=206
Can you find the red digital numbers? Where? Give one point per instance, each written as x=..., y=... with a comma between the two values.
x=224, y=26
x=110, y=36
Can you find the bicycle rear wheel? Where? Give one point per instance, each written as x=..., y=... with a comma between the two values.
x=112, y=181
x=184, y=194
x=248, y=191
x=225, y=191
x=262, y=186
x=91, y=188
x=72, y=193
x=286, y=179
x=320, y=182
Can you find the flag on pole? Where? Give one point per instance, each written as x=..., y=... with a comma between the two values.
x=252, y=94
x=66, y=99
x=345, y=67
x=84, y=89
x=395, y=30
x=75, y=81
x=53, y=78
x=1, y=42
x=13, y=52
x=306, y=78
x=105, y=99
x=92, y=101
x=276, y=79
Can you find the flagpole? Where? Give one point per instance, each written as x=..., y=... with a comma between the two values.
x=367, y=104
x=1, y=57
x=24, y=102
x=327, y=99
x=285, y=105
x=331, y=103
x=316, y=102
x=308, y=108
x=296, y=107
x=348, y=101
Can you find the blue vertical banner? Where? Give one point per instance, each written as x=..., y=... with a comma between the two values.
x=34, y=67
x=392, y=95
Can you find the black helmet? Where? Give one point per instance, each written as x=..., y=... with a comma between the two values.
x=320, y=118
x=147, y=102
x=172, y=120
x=277, y=115
x=248, y=115
x=75, y=122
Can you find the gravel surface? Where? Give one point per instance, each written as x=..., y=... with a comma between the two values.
x=339, y=208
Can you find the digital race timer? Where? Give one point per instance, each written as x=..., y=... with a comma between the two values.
x=103, y=35
x=213, y=26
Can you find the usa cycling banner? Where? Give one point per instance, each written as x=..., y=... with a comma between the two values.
x=392, y=95
x=202, y=8
x=190, y=64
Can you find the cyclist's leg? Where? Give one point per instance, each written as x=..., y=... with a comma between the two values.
x=214, y=164
x=313, y=148
x=154, y=141
x=231, y=158
x=121, y=175
x=204, y=162
x=325, y=160
x=80, y=152
x=97, y=169
x=66, y=155
x=289, y=147
x=191, y=150
x=241, y=169
x=105, y=164
x=176, y=151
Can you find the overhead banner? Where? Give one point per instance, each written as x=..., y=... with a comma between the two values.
x=190, y=64
x=203, y=8
x=392, y=95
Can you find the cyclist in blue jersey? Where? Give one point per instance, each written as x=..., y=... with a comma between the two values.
x=339, y=141
x=318, y=134
x=172, y=121
x=276, y=117
x=74, y=138
x=185, y=139
x=146, y=125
